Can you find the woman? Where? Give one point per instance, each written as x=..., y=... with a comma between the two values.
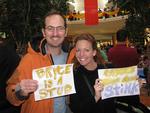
x=88, y=87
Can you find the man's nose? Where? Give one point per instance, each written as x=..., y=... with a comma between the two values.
x=55, y=32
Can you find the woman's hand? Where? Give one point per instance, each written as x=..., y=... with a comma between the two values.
x=141, y=82
x=98, y=87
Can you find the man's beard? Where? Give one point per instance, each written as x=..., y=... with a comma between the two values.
x=55, y=46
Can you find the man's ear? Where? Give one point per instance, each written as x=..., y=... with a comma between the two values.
x=43, y=32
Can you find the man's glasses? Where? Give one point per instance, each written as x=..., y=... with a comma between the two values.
x=52, y=29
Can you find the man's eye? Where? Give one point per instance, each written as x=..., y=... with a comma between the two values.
x=87, y=50
x=60, y=28
x=50, y=28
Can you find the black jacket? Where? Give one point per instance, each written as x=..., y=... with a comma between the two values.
x=83, y=101
x=8, y=62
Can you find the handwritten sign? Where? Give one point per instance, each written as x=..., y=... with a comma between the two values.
x=119, y=82
x=54, y=81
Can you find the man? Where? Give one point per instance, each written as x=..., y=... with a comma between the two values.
x=9, y=60
x=123, y=56
x=21, y=87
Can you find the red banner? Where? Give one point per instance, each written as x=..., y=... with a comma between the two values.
x=91, y=12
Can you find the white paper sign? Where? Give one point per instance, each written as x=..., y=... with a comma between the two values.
x=119, y=82
x=54, y=81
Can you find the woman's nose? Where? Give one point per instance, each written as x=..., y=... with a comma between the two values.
x=81, y=53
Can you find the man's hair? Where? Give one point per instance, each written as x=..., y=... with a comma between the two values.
x=122, y=35
x=54, y=12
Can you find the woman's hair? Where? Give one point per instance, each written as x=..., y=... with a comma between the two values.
x=90, y=38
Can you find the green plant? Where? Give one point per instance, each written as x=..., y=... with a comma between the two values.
x=21, y=19
x=138, y=18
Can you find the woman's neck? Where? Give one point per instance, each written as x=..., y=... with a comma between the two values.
x=91, y=66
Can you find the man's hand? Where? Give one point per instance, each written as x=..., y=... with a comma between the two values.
x=28, y=86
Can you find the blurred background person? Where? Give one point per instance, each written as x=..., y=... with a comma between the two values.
x=123, y=56
x=9, y=60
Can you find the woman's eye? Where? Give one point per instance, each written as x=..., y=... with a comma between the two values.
x=77, y=50
x=87, y=50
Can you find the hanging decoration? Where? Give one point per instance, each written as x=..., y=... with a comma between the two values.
x=91, y=12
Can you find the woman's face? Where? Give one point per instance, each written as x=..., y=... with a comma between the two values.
x=85, y=53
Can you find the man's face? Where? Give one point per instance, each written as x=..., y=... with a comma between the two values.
x=54, y=30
